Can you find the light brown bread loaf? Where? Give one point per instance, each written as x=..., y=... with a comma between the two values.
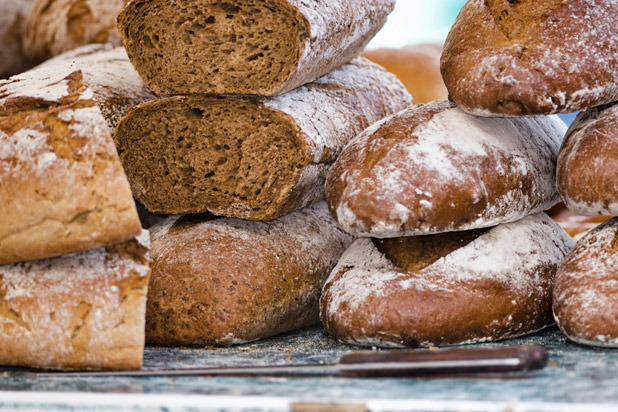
x=530, y=57
x=249, y=157
x=446, y=289
x=585, y=303
x=418, y=68
x=575, y=225
x=227, y=281
x=56, y=26
x=80, y=311
x=12, y=16
x=587, y=164
x=62, y=187
x=434, y=168
x=245, y=46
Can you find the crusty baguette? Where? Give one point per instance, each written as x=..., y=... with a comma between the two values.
x=514, y=57
x=62, y=187
x=434, y=168
x=587, y=164
x=12, y=16
x=80, y=311
x=446, y=289
x=56, y=26
x=249, y=157
x=245, y=46
x=227, y=281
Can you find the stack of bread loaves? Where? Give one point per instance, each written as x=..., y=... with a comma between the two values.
x=433, y=171
x=255, y=102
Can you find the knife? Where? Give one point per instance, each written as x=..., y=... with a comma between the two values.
x=393, y=363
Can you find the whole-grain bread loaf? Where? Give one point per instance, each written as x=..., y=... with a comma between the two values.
x=418, y=68
x=245, y=46
x=445, y=289
x=585, y=289
x=529, y=57
x=56, y=26
x=80, y=311
x=434, y=168
x=227, y=281
x=62, y=187
x=250, y=157
x=588, y=160
x=12, y=16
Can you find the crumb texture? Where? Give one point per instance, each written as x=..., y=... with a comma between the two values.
x=220, y=281
x=80, y=311
x=530, y=57
x=445, y=289
x=248, y=157
x=245, y=46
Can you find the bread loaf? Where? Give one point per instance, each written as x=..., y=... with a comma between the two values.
x=110, y=75
x=227, y=281
x=587, y=164
x=418, y=68
x=249, y=157
x=245, y=46
x=56, y=26
x=80, y=311
x=433, y=168
x=12, y=16
x=513, y=57
x=62, y=187
x=575, y=225
x=445, y=289
x=585, y=290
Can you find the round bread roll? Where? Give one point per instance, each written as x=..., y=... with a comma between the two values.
x=445, y=289
x=586, y=288
x=12, y=16
x=587, y=164
x=532, y=57
x=575, y=225
x=418, y=68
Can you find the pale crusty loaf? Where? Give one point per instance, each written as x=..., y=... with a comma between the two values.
x=110, y=75
x=249, y=157
x=12, y=16
x=80, y=311
x=434, y=168
x=530, y=57
x=245, y=46
x=228, y=281
x=445, y=289
x=418, y=68
x=587, y=164
x=56, y=26
x=62, y=187
x=585, y=303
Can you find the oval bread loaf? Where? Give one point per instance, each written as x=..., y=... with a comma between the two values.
x=228, y=281
x=514, y=57
x=585, y=289
x=587, y=164
x=245, y=46
x=445, y=289
x=249, y=157
x=12, y=17
x=80, y=311
x=434, y=168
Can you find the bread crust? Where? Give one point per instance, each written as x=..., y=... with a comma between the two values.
x=584, y=303
x=12, y=17
x=588, y=159
x=447, y=289
x=515, y=58
x=433, y=169
x=178, y=55
x=56, y=26
x=62, y=187
x=227, y=281
x=80, y=311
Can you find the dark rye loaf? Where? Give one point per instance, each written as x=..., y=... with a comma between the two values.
x=531, y=57
x=249, y=157
x=245, y=46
